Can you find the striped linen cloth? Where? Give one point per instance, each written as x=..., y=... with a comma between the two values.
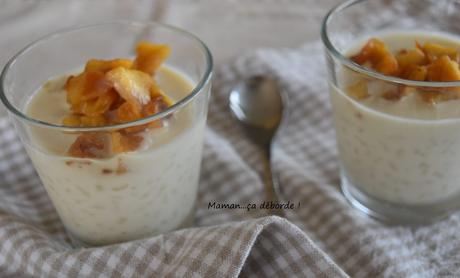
x=322, y=236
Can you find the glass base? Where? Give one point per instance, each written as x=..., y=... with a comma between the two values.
x=188, y=222
x=394, y=213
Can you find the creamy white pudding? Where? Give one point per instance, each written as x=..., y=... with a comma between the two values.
x=129, y=195
x=404, y=151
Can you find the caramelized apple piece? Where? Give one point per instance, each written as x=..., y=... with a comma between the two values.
x=86, y=86
x=434, y=51
x=132, y=85
x=392, y=95
x=75, y=86
x=379, y=56
x=156, y=91
x=90, y=145
x=104, y=66
x=125, y=142
x=97, y=106
x=358, y=91
x=98, y=120
x=72, y=120
x=443, y=69
x=433, y=97
x=155, y=106
x=414, y=72
x=408, y=58
x=398, y=93
x=150, y=56
x=127, y=113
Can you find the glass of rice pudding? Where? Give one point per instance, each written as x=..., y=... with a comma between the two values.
x=113, y=119
x=394, y=77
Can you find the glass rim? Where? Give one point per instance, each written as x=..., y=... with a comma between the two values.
x=361, y=69
x=203, y=81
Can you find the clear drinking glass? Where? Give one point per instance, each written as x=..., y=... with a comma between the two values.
x=130, y=195
x=399, y=159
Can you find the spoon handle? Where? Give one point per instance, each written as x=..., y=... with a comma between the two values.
x=272, y=190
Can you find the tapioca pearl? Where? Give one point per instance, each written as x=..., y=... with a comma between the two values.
x=88, y=212
x=405, y=183
x=393, y=166
x=170, y=165
x=377, y=159
x=367, y=151
x=418, y=152
x=136, y=208
x=438, y=174
x=98, y=207
x=372, y=175
x=424, y=168
x=446, y=151
x=82, y=191
x=175, y=213
x=58, y=180
x=384, y=146
x=446, y=187
x=121, y=187
x=399, y=152
x=122, y=220
x=117, y=196
x=144, y=196
x=430, y=183
x=45, y=178
x=152, y=198
x=359, y=140
x=356, y=151
x=165, y=199
x=51, y=187
x=115, y=204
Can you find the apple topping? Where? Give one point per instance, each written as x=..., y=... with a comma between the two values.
x=133, y=85
x=379, y=56
x=428, y=62
x=112, y=92
x=150, y=56
x=90, y=145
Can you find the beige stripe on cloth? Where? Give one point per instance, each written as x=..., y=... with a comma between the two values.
x=323, y=237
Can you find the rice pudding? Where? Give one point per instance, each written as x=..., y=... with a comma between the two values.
x=144, y=185
x=401, y=144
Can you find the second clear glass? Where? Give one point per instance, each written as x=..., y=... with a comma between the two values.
x=399, y=159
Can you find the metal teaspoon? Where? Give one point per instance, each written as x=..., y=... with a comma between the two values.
x=258, y=104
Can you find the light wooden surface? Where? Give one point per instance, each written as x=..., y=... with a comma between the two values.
x=228, y=27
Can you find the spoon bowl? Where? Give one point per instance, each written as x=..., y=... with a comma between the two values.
x=259, y=105
x=258, y=102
